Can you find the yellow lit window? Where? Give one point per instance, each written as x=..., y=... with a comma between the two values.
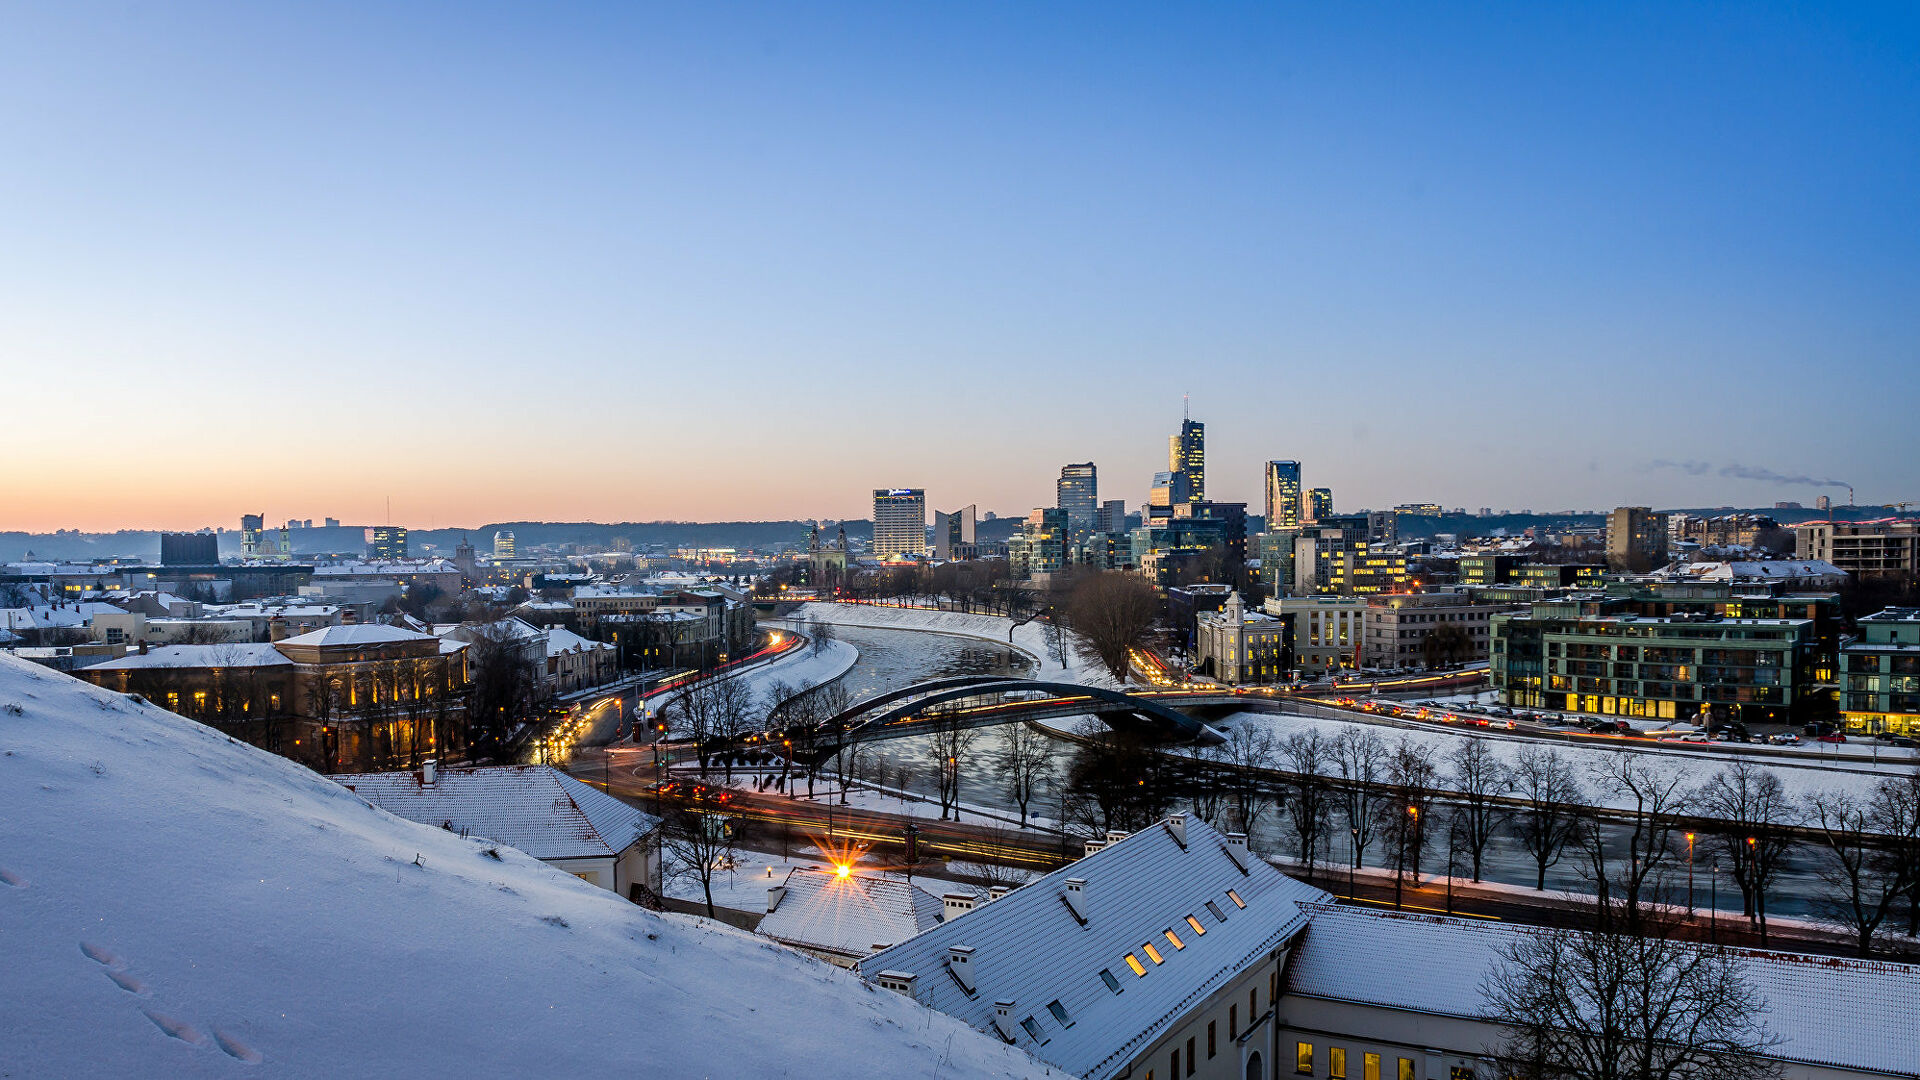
x=1198, y=930
x=1237, y=902
x=1134, y=963
x=1370, y=1067
x=1153, y=953
x=1406, y=1069
x=1174, y=940
x=1337, y=1062
x=1303, y=1058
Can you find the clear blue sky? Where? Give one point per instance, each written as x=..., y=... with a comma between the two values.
x=741, y=261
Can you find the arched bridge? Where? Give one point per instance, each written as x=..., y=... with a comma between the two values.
x=975, y=701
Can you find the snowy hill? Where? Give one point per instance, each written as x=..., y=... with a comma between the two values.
x=176, y=904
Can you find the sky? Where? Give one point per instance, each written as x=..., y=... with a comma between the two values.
x=750, y=261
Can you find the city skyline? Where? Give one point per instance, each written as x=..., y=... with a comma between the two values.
x=1647, y=268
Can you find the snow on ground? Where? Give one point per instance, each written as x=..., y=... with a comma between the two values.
x=744, y=886
x=891, y=800
x=801, y=668
x=1030, y=638
x=174, y=903
x=1800, y=781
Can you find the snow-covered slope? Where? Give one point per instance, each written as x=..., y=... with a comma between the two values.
x=1028, y=637
x=176, y=904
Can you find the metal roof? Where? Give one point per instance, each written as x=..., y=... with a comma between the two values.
x=1029, y=947
x=538, y=809
x=849, y=915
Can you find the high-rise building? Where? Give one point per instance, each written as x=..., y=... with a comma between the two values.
x=253, y=529
x=188, y=549
x=899, y=522
x=1636, y=539
x=504, y=545
x=1111, y=517
x=1169, y=490
x=1284, y=508
x=1187, y=456
x=387, y=543
x=1040, y=547
x=1078, y=493
x=954, y=534
x=1319, y=505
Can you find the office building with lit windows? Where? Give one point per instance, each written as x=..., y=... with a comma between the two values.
x=1187, y=456
x=1319, y=504
x=387, y=543
x=899, y=522
x=1078, y=493
x=1327, y=630
x=1284, y=507
x=1882, y=688
x=1041, y=546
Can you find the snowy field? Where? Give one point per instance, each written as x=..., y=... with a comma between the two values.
x=174, y=903
x=870, y=797
x=1799, y=780
x=1029, y=638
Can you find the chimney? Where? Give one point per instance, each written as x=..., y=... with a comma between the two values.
x=1003, y=1019
x=428, y=769
x=960, y=962
x=1236, y=849
x=1114, y=836
x=996, y=892
x=277, y=628
x=1093, y=846
x=958, y=903
x=1076, y=898
x=775, y=893
x=900, y=982
x=1177, y=825
x=143, y=646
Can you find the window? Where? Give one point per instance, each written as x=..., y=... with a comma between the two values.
x=1253, y=1003
x=1134, y=963
x=1233, y=1021
x=1153, y=953
x=1337, y=1063
x=1033, y=1029
x=1218, y=915
x=1173, y=1064
x=1190, y=1057
x=1059, y=1012
x=1303, y=1058
x=1213, y=1042
x=1237, y=902
x=1370, y=1067
x=1106, y=976
x=1406, y=1069
x=1174, y=940
x=1198, y=930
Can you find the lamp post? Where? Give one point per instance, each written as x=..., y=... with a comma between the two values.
x=1713, y=902
x=1689, y=875
x=1353, y=856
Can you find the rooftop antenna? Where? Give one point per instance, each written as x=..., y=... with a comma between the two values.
x=389, y=509
x=1186, y=407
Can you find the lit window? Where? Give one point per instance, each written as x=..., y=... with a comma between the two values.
x=1174, y=939
x=1106, y=976
x=1337, y=1063
x=1237, y=902
x=1370, y=1067
x=1303, y=1058
x=1217, y=913
x=1153, y=953
x=1134, y=963
x=1198, y=930
x=1059, y=1012
x=1406, y=1069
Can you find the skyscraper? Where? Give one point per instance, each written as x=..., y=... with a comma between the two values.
x=1319, y=505
x=899, y=522
x=954, y=534
x=1284, y=510
x=1077, y=492
x=387, y=543
x=1111, y=517
x=1187, y=456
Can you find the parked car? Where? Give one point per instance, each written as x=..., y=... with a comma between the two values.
x=1784, y=738
x=1901, y=740
x=1694, y=736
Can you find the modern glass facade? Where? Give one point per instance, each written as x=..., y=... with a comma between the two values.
x=1077, y=492
x=1284, y=508
x=1881, y=691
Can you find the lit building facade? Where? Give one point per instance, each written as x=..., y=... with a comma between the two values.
x=1882, y=689
x=1636, y=539
x=1327, y=630
x=1078, y=493
x=1040, y=547
x=1237, y=647
x=899, y=522
x=1319, y=504
x=387, y=543
x=1187, y=455
x=1284, y=507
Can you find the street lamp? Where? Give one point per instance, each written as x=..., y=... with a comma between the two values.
x=1689, y=875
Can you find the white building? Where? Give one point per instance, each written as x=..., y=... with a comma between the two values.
x=899, y=522
x=841, y=918
x=539, y=810
x=1159, y=954
x=1235, y=646
x=577, y=663
x=1327, y=630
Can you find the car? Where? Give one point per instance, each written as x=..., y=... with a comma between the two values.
x=1901, y=740
x=1694, y=736
x=1833, y=737
x=1784, y=738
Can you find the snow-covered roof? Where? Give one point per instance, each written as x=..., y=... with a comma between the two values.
x=850, y=915
x=536, y=808
x=311, y=935
x=1029, y=947
x=1755, y=570
x=1432, y=964
x=355, y=569
x=230, y=654
x=561, y=640
x=361, y=634
x=46, y=616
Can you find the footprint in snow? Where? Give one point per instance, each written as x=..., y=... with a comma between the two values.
x=236, y=1049
x=179, y=1029
x=100, y=954
x=8, y=877
x=127, y=982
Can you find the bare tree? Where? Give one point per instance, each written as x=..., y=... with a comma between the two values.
x=1480, y=779
x=1653, y=795
x=1308, y=755
x=1863, y=880
x=697, y=841
x=1600, y=1005
x=1250, y=750
x=1360, y=757
x=1412, y=775
x=948, y=748
x=820, y=636
x=1113, y=612
x=1551, y=818
x=1751, y=815
x=504, y=684
x=323, y=696
x=1025, y=760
